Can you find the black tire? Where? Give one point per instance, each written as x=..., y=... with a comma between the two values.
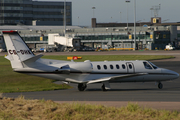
x=103, y=88
x=160, y=85
x=81, y=87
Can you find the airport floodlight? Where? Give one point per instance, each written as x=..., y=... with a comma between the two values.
x=128, y=1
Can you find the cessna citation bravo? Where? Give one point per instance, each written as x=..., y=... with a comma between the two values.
x=82, y=73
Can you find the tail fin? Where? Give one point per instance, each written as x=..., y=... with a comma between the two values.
x=17, y=49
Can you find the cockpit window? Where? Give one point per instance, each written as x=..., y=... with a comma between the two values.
x=91, y=65
x=154, y=66
x=146, y=65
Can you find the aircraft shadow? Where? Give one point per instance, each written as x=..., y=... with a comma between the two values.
x=154, y=89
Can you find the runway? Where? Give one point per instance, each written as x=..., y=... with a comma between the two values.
x=145, y=94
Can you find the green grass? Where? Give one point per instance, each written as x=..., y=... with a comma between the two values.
x=111, y=57
x=15, y=82
x=20, y=108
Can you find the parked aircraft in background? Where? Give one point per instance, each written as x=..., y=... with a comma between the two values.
x=82, y=73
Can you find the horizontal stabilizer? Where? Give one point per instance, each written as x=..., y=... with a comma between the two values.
x=7, y=57
x=33, y=59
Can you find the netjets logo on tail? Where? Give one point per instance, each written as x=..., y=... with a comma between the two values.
x=23, y=52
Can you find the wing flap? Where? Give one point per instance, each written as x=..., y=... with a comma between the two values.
x=73, y=80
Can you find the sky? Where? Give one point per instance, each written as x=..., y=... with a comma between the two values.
x=109, y=11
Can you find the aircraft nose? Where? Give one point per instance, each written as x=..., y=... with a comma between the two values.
x=174, y=75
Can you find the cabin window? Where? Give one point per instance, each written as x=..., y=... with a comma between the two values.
x=111, y=66
x=130, y=66
x=146, y=65
x=98, y=67
x=105, y=67
x=123, y=66
x=117, y=66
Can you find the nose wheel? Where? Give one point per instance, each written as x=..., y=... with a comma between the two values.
x=160, y=85
x=82, y=87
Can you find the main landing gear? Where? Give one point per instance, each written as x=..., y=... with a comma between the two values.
x=103, y=88
x=160, y=85
x=81, y=86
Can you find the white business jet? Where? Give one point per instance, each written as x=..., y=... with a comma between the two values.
x=82, y=73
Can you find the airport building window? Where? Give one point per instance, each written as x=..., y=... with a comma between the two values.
x=98, y=67
x=117, y=66
x=111, y=66
x=178, y=35
x=123, y=66
x=146, y=65
x=105, y=67
x=104, y=37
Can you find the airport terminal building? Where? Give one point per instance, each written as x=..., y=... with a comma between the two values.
x=151, y=38
x=29, y=12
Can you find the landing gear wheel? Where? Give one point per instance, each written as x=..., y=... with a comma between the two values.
x=82, y=87
x=160, y=85
x=103, y=88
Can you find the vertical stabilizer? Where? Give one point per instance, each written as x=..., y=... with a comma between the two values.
x=17, y=49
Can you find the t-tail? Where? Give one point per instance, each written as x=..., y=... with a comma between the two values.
x=18, y=51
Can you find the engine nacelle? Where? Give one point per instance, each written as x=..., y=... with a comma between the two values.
x=81, y=67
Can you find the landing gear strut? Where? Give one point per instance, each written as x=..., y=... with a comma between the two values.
x=103, y=88
x=81, y=86
x=160, y=85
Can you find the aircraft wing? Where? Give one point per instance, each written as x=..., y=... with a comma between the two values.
x=105, y=79
x=115, y=77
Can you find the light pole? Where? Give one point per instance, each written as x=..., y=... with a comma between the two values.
x=78, y=20
x=120, y=17
x=151, y=11
x=127, y=1
x=134, y=24
x=93, y=10
x=64, y=17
